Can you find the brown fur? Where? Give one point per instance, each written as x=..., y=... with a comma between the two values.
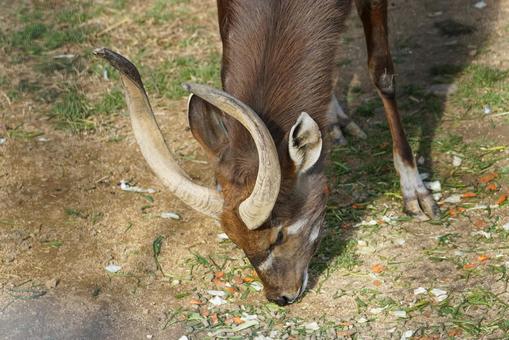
x=278, y=58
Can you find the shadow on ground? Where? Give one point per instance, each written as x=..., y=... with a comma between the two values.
x=432, y=42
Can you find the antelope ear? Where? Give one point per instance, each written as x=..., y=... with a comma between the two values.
x=305, y=143
x=206, y=125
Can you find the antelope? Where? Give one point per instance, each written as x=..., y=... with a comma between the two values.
x=264, y=132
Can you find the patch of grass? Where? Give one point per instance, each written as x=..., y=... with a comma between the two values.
x=72, y=111
x=112, y=102
x=482, y=85
x=40, y=34
x=19, y=133
x=66, y=65
x=75, y=213
x=166, y=80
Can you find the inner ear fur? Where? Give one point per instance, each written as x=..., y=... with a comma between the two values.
x=207, y=126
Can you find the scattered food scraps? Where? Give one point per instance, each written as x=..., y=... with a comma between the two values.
x=170, y=215
x=125, y=186
x=400, y=314
x=491, y=187
x=469, y=266
x=377, y=310
x=249, y=317
x=256, y=286
x=453, y=199
x=433, y=186
x=407, y=335
x=312, y=326
x=456, y=160
x=502, y=199
x=420, y=290
x=377, y=268
x=469, y=195
x=439, y=294
x=483, y=258
x=488, y=178
x=366, y=223
x=216, y=292
x=217, y=301
x=481, y=233
x=113, y=268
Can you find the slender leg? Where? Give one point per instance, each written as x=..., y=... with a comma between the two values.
x=418, y=202
x=340, y=121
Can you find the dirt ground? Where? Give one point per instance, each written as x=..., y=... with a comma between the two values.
x=64, y=218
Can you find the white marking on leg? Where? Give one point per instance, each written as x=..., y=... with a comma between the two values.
x=411, y=182
x=296, y=227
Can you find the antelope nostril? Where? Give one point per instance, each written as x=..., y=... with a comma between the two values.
x=280, y=300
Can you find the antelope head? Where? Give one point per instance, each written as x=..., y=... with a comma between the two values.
x=272, y=198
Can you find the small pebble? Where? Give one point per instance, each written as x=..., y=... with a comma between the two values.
x=486, y=109
x=113, y=268
x=2, y=140
x=170, y=215
x=506, y=226
x=222, y=237
x=421, y=160
x=52, y=283
x=149, y=336
x=437, y=196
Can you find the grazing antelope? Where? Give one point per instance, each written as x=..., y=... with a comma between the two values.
x=264, y=132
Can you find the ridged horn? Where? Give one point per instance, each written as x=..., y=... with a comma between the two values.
x=152, y=144
x=254, y=210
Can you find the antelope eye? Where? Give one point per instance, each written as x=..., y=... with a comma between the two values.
x=279, y=239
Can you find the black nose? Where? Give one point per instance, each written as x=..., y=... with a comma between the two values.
x=280, y=300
